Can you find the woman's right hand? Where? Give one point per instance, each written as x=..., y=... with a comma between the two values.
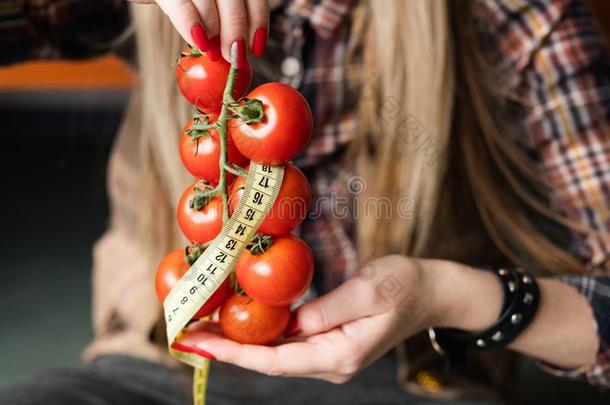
x=213, y=25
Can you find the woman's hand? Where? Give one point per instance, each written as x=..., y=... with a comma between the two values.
x=394, y=297
x=213, y=25
x=336, y=335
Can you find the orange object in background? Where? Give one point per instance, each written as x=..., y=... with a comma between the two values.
x=107, y=72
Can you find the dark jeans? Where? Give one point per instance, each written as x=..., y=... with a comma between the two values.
x=117, y=380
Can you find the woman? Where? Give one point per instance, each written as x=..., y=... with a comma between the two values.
x=489, y=156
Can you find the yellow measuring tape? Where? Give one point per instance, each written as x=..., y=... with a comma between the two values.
x=200, y=382
x=216, y=263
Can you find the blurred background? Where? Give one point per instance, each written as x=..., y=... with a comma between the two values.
x=57, y=122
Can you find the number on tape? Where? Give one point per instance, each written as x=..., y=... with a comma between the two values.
x=219, y=259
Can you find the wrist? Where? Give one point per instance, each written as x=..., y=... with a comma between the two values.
x=463, y=297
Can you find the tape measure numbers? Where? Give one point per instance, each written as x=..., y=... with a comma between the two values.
x=219, y=259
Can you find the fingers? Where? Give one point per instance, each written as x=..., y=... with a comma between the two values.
x=291, y=359
x=213, y=25
x=334, y=356
x=356, y=298
x=208, y=13
x=185, y=17
x=258, y=21
x=233, y=26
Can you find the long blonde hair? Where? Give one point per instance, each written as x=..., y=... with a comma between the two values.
x=423, y=59
x=157, y=112
x=420, y=57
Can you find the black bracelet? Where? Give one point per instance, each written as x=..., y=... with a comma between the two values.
x=521, y=298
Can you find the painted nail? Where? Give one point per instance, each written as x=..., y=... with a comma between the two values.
x=193, y=349
x=293, y=327
x=214, y=49
x=200, y=38
x=242, y=58
x=259, y=43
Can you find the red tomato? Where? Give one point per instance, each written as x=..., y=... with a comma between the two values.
x=284, y=131
x=201, y=155
x=246, y=320
x=279, y=275
x=202, y=81
x=172, y=268
x=199, y=226
x=290, y=207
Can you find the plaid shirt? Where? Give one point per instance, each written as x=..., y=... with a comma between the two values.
x=549, y=53
x=552, y=54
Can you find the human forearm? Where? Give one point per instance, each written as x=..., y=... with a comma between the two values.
x=562, y=332
x=394, y=297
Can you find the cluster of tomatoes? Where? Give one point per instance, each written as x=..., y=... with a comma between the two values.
x=277, y=267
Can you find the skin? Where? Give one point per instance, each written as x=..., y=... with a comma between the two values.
x=337, y=340
x=396, y=298
x=231, y=19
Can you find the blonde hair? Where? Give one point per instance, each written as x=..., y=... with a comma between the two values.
x=409, y=66
x=157, y=111
x=422, y=57
x=415, y=58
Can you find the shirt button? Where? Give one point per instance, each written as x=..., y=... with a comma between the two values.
x=291, y=66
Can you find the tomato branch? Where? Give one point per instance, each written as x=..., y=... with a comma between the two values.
x=236, y=170
x=222, y=123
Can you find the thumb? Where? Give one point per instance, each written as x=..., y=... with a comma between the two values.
x=355, y=298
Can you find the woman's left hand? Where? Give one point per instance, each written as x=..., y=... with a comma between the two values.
x=347, y=329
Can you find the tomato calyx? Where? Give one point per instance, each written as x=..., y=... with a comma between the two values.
x=192, y=253
x=260, y=244
x=191, y=52
x=203, y=194
x=200, y=127
x=250, y=111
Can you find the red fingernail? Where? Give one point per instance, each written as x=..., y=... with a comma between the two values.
x=214, y=49
x=193, y=349
x=199, y=37
x=259, y=43
x=293, y=327
x=242, y=58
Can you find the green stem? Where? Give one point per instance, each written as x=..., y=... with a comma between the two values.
x=260, y=244
x=236, y=170
x=222, y=123
x=201, y=197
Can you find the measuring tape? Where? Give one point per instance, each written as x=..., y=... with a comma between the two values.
x=219, y=259
x=200, y=382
